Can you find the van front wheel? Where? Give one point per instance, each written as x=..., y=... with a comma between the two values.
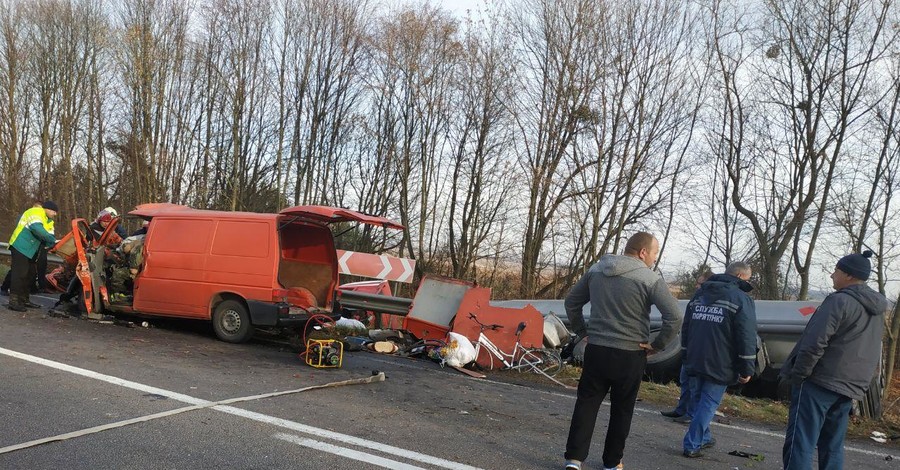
x=231, y=322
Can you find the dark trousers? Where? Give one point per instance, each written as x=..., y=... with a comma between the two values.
x=23, y=270
x=41, y=273
x=606, y=370
x=41, y=269
x=817, y=421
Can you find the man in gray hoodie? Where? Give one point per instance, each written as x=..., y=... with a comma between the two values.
x=621, y=289
x=832, y=365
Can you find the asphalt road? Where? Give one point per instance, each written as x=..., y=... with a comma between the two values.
x=63, y=376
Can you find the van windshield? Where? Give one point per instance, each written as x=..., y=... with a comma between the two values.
x=307, y=264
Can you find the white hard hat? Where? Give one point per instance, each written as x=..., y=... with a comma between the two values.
x=111, y=211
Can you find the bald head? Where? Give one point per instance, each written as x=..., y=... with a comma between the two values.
x=644, y=247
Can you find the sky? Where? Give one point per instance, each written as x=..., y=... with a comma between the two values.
x=458, y=6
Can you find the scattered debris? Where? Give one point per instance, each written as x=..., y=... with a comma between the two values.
x=747, y=455
x=383, y=347
x=356, y=343
x=470, y=373
x=878, y=437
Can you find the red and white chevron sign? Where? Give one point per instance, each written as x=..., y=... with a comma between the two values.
x=385, y=267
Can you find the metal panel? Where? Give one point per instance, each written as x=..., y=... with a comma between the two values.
x=438, y=299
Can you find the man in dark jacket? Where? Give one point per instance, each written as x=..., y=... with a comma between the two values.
x=621, y=289
x=718, y=342
x=833, y=364
x=682, y=412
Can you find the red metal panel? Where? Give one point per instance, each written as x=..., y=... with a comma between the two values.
x=327, y=215
x=477, y=301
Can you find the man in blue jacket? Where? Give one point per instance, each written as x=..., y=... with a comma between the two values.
x=621, y=289
x=29, y=236
x=832, y=365
x=718, y=340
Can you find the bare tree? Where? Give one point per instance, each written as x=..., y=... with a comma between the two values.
x=416, y=52
x=15, y=97
x=560, y=71
x=648, y=108
x=325, y=46
x=481, y=179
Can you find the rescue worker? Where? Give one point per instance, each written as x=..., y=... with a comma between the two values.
x=41, y=278
x=27, y=240
x=104, y=218
x=125, y=267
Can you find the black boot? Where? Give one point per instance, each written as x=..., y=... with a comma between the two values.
x=15, y=304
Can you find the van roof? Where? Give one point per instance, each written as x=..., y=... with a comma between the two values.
x=321, y=214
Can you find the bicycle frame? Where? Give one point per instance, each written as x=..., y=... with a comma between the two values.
x=496, y=352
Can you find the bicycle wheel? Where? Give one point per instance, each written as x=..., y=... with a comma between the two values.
x=542, y=361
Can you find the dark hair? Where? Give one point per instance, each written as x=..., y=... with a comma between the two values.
x=639, y=241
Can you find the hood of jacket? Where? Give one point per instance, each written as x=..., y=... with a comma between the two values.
x=617, y=265
x=873, y=302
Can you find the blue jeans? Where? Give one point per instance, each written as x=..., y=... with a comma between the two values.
x=818, y=417
x=705, y=396
x=684, y=400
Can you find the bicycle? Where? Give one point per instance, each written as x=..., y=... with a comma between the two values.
x=539, y=360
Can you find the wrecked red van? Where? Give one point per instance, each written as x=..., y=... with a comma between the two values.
x=238, y=269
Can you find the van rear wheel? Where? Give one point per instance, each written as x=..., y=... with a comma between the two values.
x=231, y=322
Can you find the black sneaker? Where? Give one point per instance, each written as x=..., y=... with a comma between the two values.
x=16, y=307
x=693, y=454
x=31, y=304
x=671, y=414
x=710, y=443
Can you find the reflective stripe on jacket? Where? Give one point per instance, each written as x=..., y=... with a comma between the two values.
x=32, y=231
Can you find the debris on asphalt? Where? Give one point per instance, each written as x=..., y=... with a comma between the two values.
x=747, y=455
x=350, y=324
x=383, y=347
x=384, y=335
x=356, y=343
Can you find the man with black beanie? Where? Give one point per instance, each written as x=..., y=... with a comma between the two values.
x=832, y=365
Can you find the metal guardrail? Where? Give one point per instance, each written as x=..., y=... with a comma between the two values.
x=51, y=258
x=374, y=302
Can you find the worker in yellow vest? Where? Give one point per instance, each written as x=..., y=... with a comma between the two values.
x=41, y=277
x=25, y=246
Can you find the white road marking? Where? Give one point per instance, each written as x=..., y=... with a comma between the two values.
x=259, y=417
x=344, y=452
x=646, y=410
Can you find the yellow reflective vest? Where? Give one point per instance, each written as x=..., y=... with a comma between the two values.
x=34, y=228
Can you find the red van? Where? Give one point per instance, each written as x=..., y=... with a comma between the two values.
x=238, y=269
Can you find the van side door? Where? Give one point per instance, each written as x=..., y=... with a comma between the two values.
x=172, y=280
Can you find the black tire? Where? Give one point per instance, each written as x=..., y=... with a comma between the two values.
x=870, y=406
x=664, y=366
x=231, y=322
